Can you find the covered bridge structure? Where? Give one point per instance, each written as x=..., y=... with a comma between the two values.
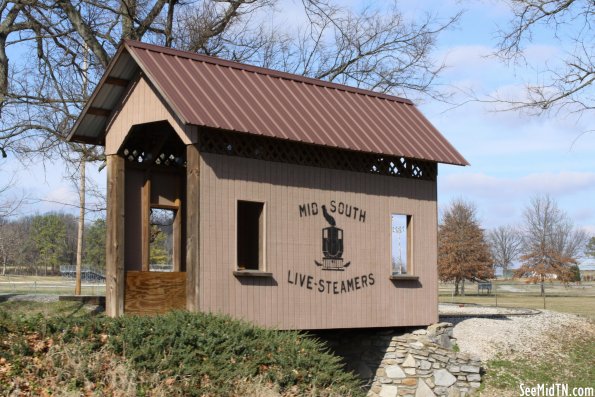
x=294, y=203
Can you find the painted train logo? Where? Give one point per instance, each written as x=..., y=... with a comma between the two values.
x=332, y=250
x=332, y=245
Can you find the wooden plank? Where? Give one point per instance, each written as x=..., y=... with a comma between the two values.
x=114, y=291
x=192, y=227
x=116, y=81
x=177, y=238
x=99, y=112
x=146, y=223
x=154, y=292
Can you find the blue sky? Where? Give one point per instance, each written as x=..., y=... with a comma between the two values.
x=513, y=156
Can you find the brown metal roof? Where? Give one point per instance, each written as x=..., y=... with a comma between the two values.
x=207, y=91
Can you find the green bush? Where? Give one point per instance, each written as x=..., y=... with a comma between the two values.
x=195, y=354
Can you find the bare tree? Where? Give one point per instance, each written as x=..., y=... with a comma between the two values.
x=8, y=208
x=569, y=85
x=66, y=46
x=590, y=248
x=463, y=253
x=505, y=245
x=551, y=243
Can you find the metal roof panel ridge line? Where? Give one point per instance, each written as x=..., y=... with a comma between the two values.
x=203, y=91
x=262, y=70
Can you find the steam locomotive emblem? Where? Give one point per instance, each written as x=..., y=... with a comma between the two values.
x=332, y=245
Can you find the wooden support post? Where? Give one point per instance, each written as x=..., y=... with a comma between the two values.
x=192, y=227
x=177, y=238
x=114, y=252
x=146, y=223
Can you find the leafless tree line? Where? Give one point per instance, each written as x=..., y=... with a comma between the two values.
x=547, y=243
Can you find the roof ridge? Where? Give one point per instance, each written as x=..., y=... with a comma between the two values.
x=263, y=71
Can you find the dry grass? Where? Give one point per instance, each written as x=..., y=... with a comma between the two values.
x=52, y=285
x=575, y=299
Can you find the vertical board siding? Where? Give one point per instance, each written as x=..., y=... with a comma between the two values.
x=142, y=105
x=293, y=244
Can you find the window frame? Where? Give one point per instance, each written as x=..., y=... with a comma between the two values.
x=409, y=252
x=262, y=242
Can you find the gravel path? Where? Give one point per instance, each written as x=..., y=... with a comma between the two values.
x=518, y=336
x=28, y=298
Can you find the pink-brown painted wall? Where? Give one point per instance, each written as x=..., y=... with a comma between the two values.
x=300, y=295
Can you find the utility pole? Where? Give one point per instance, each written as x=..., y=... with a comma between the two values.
x=82, y=187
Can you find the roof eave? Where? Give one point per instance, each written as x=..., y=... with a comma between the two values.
x=72, y=136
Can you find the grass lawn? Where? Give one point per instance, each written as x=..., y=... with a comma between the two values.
x=573, y=367
x=52, y=285
x=575, y=299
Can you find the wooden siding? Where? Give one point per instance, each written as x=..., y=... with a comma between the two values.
x=293, y=244
x=154, y=292
x=142, y=105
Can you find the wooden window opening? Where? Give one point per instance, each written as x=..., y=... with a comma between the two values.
x=250, y=237
x=401, y=243
x=162, y=242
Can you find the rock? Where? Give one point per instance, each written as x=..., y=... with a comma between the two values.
x=423, y=364
x=470, y=368
x=474, y=378
x=439, y=390
x=416, y=345
x=444, y=341
x=454, y=368
x=423, y=390
x=395, y=372
x=438, y=328
x=409, y=382
x=381, y=372
x=443, y=378
x=409, y=362
x=410, y=371
x=475, y=385
x=389, y=391
x=420, y=332
x=454, y=391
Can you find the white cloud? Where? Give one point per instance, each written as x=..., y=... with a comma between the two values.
x=556, y=184
x=589, y=229
x=60, y=198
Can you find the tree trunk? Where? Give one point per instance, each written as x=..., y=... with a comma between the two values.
x=463, y=287
x=81, y=228
x=169, y=23
x=3, y=264
x=542, y=286
x=456, y=287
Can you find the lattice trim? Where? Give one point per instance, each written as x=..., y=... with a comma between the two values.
x=270, y=149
